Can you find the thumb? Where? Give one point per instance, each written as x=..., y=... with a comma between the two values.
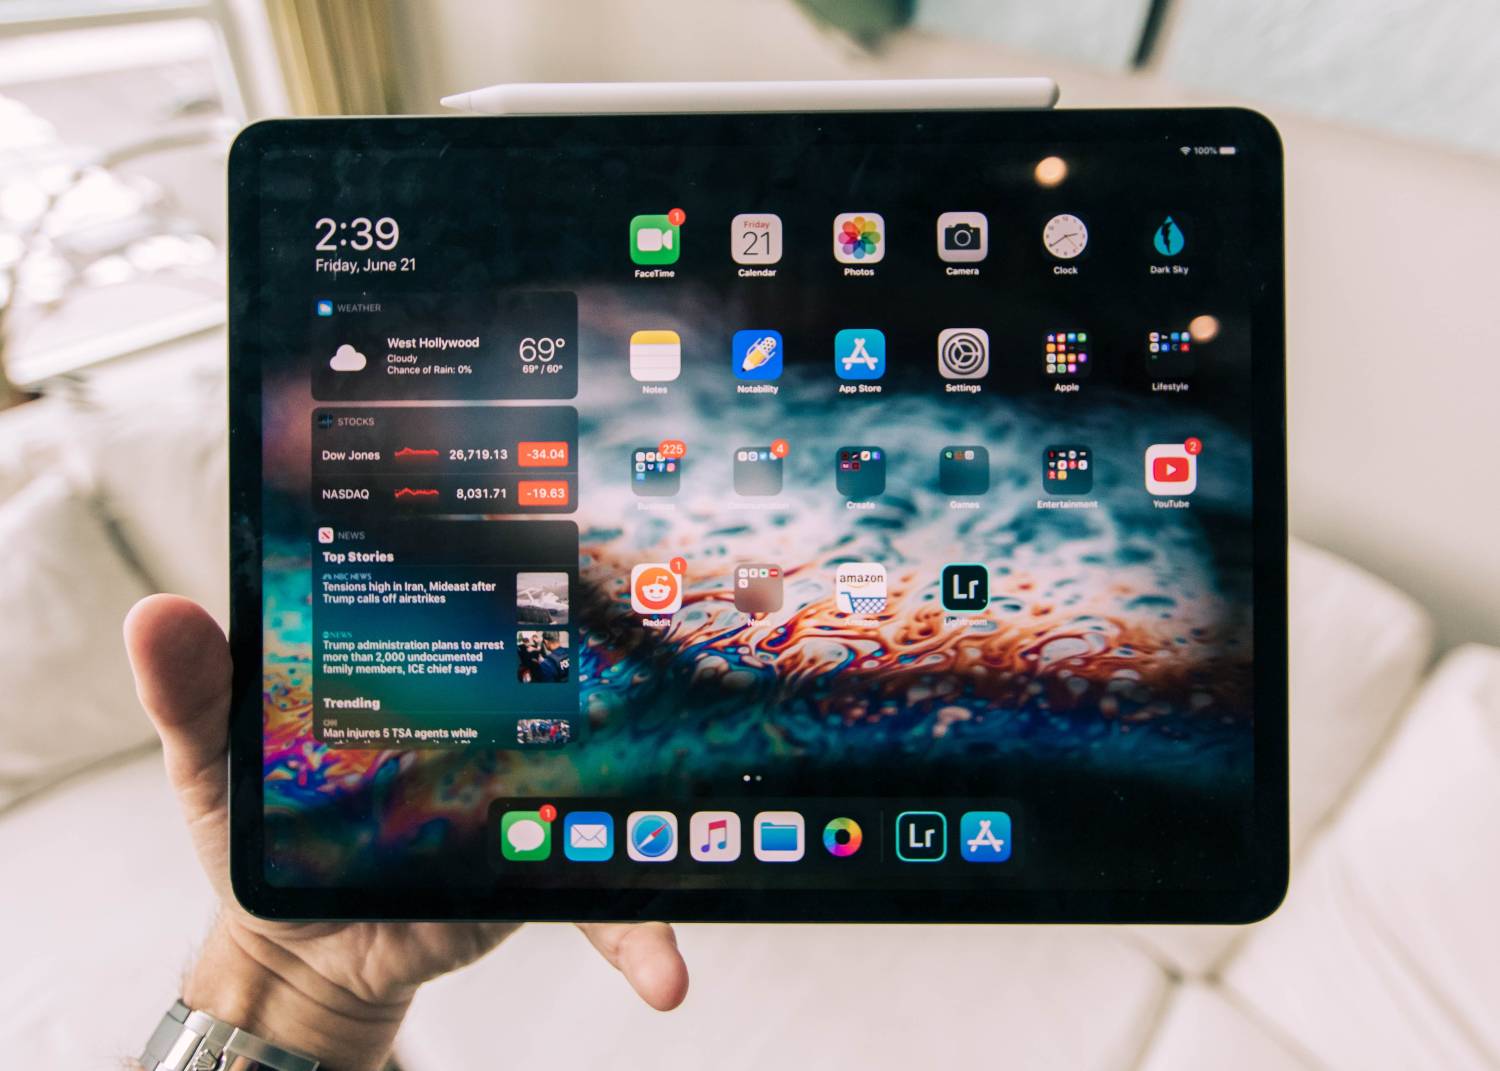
x=182, y=675
x=646, y=954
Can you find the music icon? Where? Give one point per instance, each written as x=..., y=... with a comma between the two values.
x=715, y=836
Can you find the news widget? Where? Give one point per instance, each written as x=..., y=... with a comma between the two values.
x=445, y=633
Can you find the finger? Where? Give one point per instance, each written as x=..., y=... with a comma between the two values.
x=182, y=675
x=646, y=954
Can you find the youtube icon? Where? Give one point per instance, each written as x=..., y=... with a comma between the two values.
x=1171, y=469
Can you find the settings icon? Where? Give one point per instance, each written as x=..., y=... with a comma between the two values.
x=964, y=353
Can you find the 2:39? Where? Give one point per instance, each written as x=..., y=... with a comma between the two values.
x=364, y=233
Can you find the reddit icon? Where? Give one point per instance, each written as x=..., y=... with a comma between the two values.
x=655, y=589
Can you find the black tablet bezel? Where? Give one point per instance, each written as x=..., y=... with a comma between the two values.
x=1267, y=870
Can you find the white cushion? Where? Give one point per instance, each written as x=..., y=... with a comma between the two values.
x=64, y=589
x=1387, y=953
x=32, y=441
x=154, y=430
x=1202, y=1029
x=104, y=905
x=871, y=997
x=1357, y=649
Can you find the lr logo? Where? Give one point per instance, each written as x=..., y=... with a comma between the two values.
x=966, y=588
x=921, y=837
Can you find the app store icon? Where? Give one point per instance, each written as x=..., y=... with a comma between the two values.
x=859, y=353
x=984, y=836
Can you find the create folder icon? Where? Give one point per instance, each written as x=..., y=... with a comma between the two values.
x=655, y=356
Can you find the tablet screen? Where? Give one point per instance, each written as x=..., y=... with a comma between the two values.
x=782, y=516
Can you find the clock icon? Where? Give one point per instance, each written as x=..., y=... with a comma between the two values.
x=1065, y=236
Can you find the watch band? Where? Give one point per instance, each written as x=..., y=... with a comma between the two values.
x=188, y=1040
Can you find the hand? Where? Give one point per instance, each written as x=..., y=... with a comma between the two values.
x=336, y=990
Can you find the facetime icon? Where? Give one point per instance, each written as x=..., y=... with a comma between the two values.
x=655, y=356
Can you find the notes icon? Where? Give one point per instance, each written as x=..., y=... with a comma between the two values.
x=715, y=836
x=655, y=356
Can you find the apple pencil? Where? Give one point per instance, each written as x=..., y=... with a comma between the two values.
x=644, y=98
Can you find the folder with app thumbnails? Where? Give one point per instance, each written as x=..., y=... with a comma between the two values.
x=588, y=835
x=776, y=837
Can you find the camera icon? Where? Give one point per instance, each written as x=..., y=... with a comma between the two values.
x=963, y=237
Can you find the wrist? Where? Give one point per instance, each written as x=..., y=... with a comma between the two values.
x=252, y=982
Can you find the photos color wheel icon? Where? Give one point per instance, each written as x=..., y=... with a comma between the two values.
x=842, y=837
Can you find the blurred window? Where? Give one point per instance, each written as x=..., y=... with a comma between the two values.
x=115, y=118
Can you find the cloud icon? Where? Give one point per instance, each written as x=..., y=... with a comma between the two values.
x=347, y=359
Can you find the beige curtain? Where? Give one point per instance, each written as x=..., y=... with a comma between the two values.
x=337, y=55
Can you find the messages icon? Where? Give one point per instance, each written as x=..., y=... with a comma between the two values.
x=525, y=836
x=589, y=836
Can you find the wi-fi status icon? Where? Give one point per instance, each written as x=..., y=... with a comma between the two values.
x=1185, y=149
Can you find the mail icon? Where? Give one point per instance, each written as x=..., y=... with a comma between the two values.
x=589, y=836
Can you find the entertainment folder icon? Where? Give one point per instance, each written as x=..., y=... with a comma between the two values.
x=775, y=837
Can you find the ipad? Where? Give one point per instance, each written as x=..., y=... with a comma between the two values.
x=759, y=517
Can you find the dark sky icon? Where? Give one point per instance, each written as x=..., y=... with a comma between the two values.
x=1169, y=240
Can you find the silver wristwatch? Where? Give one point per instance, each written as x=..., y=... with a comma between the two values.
x=190, y=1040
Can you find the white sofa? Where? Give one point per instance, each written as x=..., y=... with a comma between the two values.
x=1386, y=954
